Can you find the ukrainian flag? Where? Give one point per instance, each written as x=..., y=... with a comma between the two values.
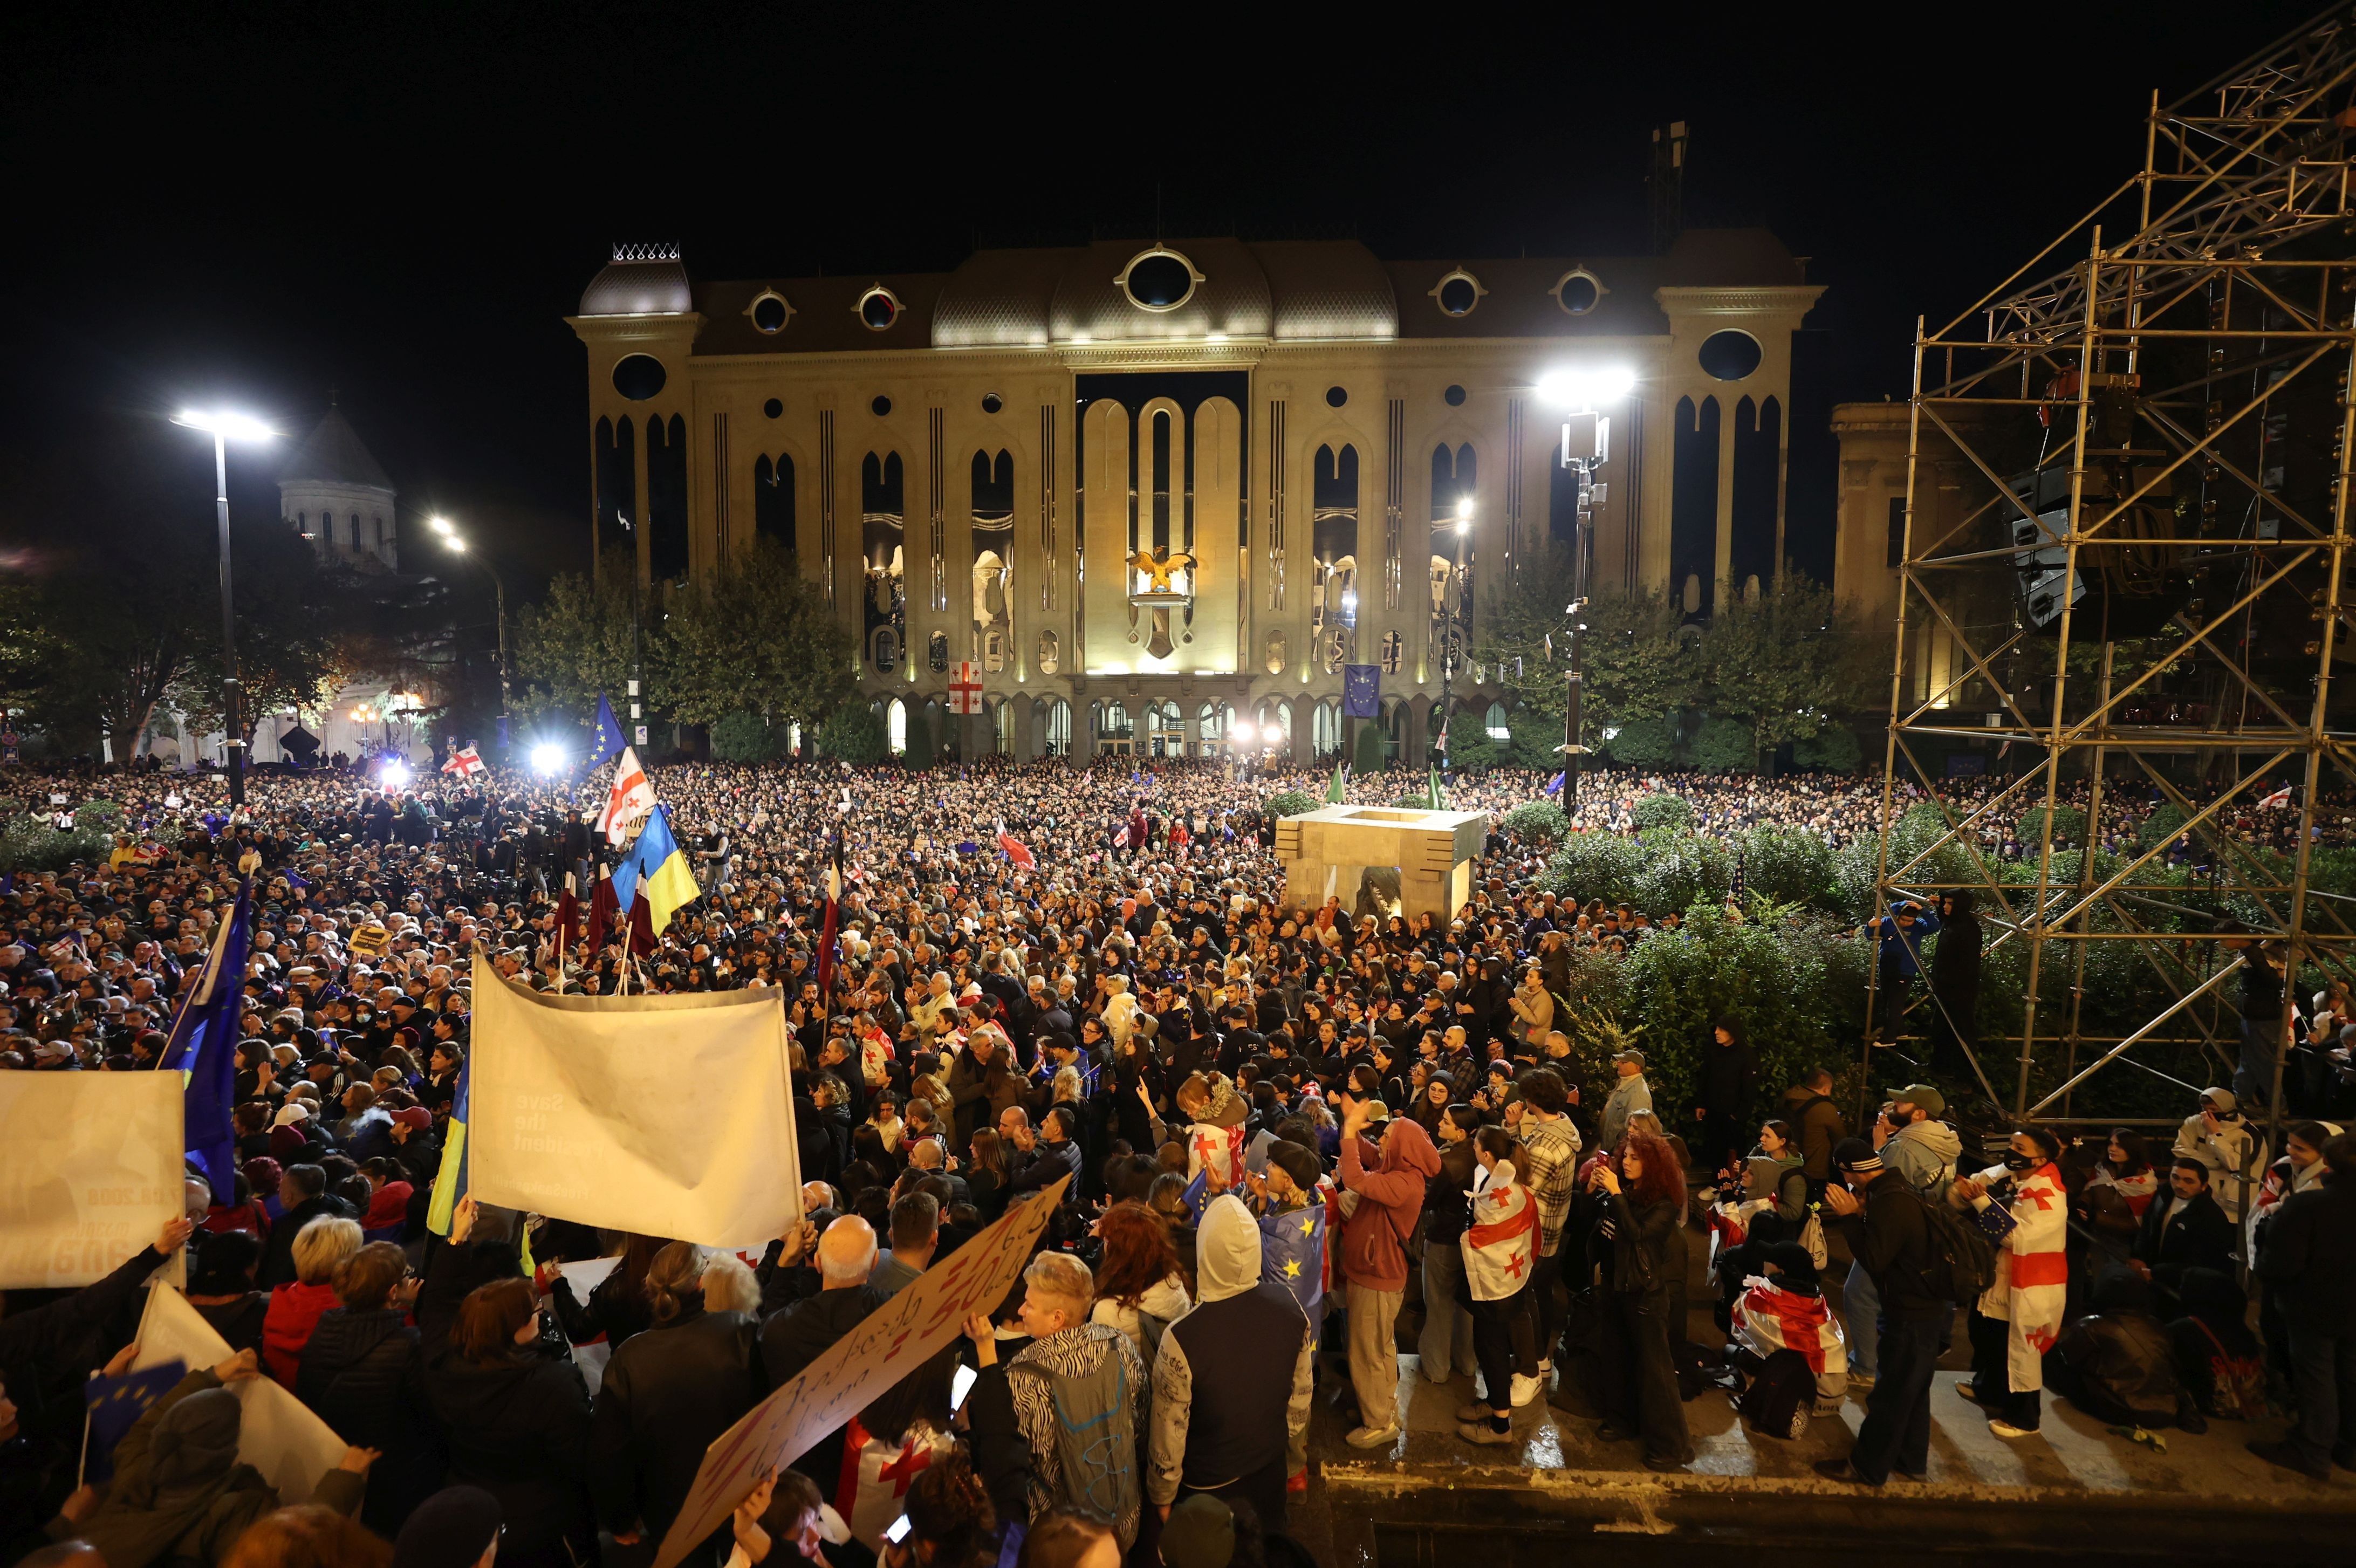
x=656, y=866
x=450, y=1181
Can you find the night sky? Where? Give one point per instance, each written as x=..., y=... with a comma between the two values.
x=402, y=204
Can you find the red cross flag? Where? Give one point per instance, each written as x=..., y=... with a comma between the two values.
x=632, y=798
x=965, y=690
x=465, y=764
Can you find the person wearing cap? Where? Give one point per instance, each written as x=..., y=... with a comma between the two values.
x=2219, y=1137
x=1629, y=1095
x=1922, y=1151
x=1888, y=1230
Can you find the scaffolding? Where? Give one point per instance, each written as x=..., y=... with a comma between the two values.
x=2139, y=588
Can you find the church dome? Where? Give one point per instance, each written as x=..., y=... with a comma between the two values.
x=641, y=280
x=332, y=453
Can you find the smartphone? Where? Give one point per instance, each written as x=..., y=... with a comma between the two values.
x=898, y=1532
x=959, y=1386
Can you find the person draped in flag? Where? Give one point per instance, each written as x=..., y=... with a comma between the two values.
x=1781, y=1308
x=2019, y=1316
x=1500, y=1247
x=1216, y=1140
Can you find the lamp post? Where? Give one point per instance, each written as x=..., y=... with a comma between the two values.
x=1452, y=616
x=221, y=427
x=455, y=542
x=1586, y=446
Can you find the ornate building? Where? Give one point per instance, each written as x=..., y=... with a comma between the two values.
x=339, y=498
x=1152, y=489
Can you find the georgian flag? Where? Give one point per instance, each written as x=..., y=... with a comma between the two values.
x=2279, y=799
x=632, y=798
x=465, y=764
x=1768, y=1318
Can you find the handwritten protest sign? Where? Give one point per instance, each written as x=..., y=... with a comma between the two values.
x=897, y=1338
x=90, y=1170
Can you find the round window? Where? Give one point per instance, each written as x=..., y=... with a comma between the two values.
x=639, y=376
x=1458, y=293
x=1455, y=396
x=1577, y=292
x=1159, y=280
x=1730, y=355
x=878, y=308
x=991, y=402
x=1336, y=396
x=881, y=406
x=774, y=407
x=770, y=313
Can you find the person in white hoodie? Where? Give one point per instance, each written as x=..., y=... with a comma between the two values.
x=1232, y=1381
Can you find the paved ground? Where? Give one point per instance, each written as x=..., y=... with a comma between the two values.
x=2073, y=1486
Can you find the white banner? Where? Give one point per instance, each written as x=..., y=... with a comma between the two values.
x=90, y=1167
x=278, y=1435
x=665, y=1115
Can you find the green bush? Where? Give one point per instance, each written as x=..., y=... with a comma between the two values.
x=1645, y=743
x=29, y=844
x=2069, y=826
x=1596, y=866
x=1773, y=977
x=1373, y=747
x=1294, y=803
x=855, y=734
x=1835, y=750
x=2163, y=824
x=741, y=736
x=1540, y=820
x=1788, y=865
x=1725, y=746
x=1681, y=869
x=1412, y=803
x=1662, y=809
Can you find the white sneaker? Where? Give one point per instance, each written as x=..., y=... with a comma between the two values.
x=1526, y=1389
x=1371, y=1437
x=2006, y=1429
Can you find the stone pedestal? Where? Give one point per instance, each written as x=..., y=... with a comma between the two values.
x=1329, y=851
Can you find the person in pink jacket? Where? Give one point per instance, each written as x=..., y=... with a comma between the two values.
x=1383, y=1203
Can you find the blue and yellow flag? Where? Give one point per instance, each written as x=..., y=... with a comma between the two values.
x=657, y=866
x=450, y=1181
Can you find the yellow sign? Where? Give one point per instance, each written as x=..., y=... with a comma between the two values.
x=371, y=941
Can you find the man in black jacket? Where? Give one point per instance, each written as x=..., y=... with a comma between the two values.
x=304, y=1193
x=2308, y=1262
x=2186, y=1231
x=1889, y=1231
x=807, y=1328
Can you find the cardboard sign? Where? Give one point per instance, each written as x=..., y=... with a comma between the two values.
x=278, y=1435
x=577, y=1110
x=370, y=941
x=90, y=1169
x=895, y=1338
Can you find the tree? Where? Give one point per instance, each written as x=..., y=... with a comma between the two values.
x=759, y=639
x=576, y=643
x=1635, y=664
x=855, y=734
x=1373, y=750
x=1785, y=661
x=295, y=621
x=1724, y=746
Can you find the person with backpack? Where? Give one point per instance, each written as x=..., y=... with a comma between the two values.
x=1889, y=1231
x=1922, y=1150
x=2019, y=1315
x=1069, y=1413
x=1808, y=1105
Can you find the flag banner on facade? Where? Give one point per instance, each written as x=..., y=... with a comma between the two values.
x=631, y=797
x=609, y=742
x=277, y=1433
x=1361, y=690
x=885, y=1346
x=93, y=1164
x=575, y=1115
x=203, y=1049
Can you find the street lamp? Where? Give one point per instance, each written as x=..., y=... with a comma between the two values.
x=1586, y=446
x=455, y=542
x=1452, y=619
x=225, y=427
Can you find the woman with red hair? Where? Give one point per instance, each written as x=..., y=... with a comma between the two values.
x=1139, y=1276
x=1642, y=1193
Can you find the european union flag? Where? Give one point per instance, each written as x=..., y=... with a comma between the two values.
x=203, y=1046
x=1555, y=788
x=1198, y=1195
x=610, y=741
x=1293, y=1254
x=1361, y=690
x=115, y=1405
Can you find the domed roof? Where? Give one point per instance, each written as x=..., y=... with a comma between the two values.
x=1230, y=297
x=998, y=300
x=1326, y=289
x=332, y=453
x=641, y=280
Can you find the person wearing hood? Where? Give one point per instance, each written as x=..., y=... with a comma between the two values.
x=2116, y=1363
x=2019, y=1315
x=1233, y=1378
x=1782, y=1311
x=1217, y=1137
x=1729, y=1078
x=1955, y=982
x=1922, y=1151
x=179, y=1493
x=2219, y=1137
x=1809, y=1106
x=1389, y=1198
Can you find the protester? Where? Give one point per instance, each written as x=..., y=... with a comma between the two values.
x=1642, y=1193
x=362, y=1370
x=2310, y=1258
x=319, y=1251
x=1389, y=1198
x=1889, y=1231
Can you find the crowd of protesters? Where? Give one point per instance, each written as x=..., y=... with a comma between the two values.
x=1123, y=1008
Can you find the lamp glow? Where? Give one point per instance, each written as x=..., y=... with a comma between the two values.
x=439, y=525
x=394, y=773
x=548, y=758
x=1586, y=388
x=228, y=426
x=1243, y=732
x=452, y=542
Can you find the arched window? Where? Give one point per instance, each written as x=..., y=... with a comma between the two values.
x=1455, y=475
x=1211, y=723
x=1496, y=726
x=993, y=486
x=1059, y=728
x=1326, y=729
x=666, y=546
x=772, y=499
x=1693, y=503
x=896, y=727
x=617, y=484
